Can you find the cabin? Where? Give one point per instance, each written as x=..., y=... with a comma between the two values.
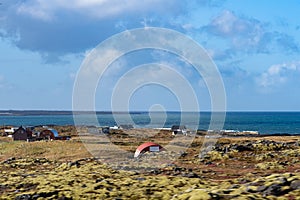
x=22, y=134
x=178, y=129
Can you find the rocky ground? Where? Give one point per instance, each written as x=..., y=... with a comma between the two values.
x=235, y=168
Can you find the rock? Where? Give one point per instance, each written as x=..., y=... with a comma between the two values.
x=76, y=164
x=251, y=189
x=23, y=197
x=140, y=179
x=282, y=180
x=241, y=148
x=276, y=190
x=65, y=198
x=261, y=188
x=36, y=196
x=190, y=175
x=295, y=185
x=98, y=180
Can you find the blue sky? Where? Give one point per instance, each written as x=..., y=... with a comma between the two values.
x=255, y=45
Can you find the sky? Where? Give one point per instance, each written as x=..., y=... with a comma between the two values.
x=254, y=44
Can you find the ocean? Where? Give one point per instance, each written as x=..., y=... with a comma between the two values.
x=263, y=122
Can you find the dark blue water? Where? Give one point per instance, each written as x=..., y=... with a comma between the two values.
x=264, y=122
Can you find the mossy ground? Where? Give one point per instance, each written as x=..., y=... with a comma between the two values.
x=237, y=168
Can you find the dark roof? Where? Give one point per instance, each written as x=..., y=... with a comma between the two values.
x=175, y=127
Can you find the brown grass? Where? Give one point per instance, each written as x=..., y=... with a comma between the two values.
x=54, y=150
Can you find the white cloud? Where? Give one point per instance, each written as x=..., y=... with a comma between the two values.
x=45, y=10
x=99, y=59
x=65, y=27
x=229, y=24
x=249, y=35
x=39, y=10
x=244, y=33
x=278, y=74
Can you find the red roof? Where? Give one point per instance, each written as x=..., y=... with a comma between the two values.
x=145, y=147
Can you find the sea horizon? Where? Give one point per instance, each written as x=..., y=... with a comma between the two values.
x=64, y=112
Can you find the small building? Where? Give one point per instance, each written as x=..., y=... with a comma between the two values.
x=105, y=129
x=126, y=126
x=178, y=129
x=49, y=134
x=22, y=134
x=113, y=128
x=10, y=130
x=148, y=146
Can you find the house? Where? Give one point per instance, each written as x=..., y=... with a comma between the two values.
x=22, y=134
x=148, y=146
x=178, y=129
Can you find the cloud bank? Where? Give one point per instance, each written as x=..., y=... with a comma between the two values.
x=279, y=74
x=55, y=28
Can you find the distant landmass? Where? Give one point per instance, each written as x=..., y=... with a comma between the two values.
x=32, y=112
x=52, y=112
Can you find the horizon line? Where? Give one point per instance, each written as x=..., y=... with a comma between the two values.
x=59, y=110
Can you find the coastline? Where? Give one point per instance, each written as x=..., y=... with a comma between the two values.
x=263, y=122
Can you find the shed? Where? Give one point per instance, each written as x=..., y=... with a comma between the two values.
x=22, y=134
x=49, y=134
x=148, y=146
x=178, y=129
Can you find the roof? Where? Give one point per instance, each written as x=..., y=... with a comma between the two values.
x=20, y=128
x=55, y=133
x=178, y=127
x=144, y=146
x=21, y=134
